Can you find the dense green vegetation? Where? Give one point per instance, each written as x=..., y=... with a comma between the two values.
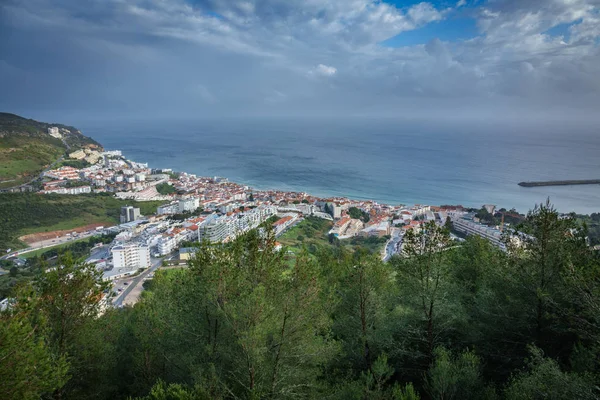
x=511, y=217
x=592, y=224
x=73, y=163
x=165, y=189
x=443, y=322
x=312, y=234
x=11, y=124
x=374, y=244
x=25, y=213
x=26, y=148
x=357, y=213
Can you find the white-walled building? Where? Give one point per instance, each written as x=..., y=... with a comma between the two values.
x=53, y=131
x=131, y=256
x=188, y=204
x=285, y=222
x=180, y=206
x=71, y=190
x=166, y=244
x=167, y=209
x=228, y=227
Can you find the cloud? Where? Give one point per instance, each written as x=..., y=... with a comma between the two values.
x=424, y=13
x=141, y=55
x=324, y=70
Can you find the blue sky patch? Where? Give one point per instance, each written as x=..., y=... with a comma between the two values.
x=447, y=30
x=562, y=30
x=439, y=4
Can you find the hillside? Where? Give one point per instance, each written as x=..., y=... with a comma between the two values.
x=26, y=147
x=26, y=213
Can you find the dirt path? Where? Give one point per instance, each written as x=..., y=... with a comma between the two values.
x=41, y=236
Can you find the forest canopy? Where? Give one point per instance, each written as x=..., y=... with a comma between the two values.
x=242, y=321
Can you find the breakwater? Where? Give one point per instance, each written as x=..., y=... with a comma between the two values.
x=561, y=183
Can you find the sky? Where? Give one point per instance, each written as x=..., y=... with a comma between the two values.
x=490, y=59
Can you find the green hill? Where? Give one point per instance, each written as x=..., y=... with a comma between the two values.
x=26, y=147
x=26, y=213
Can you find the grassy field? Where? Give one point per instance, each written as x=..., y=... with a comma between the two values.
x=26, y=148
x=23, y=158
x=26, y=213
x=313, y=233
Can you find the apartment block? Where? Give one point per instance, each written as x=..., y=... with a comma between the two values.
x=131, y=256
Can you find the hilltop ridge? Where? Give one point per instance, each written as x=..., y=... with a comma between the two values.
x=28, y=146
x=12, y=124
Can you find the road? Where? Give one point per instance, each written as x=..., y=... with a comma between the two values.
x=48, y=243
x=135, y=284
x=393, y=245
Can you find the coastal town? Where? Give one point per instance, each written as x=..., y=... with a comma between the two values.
x=196, y=209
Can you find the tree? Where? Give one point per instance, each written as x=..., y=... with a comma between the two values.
x=456, y=377
x=70, y=297
x=544, y=379
x=550, y=247
x=165, y=188
x=364, y=288
x=174, y=391
x=28, y=369
x=357, y=213
x=243, y=317
x=486, y=217
x=375, y=384
x=424, y=280
x=448, y=224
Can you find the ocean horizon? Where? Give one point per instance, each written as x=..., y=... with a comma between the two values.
x=386, y=160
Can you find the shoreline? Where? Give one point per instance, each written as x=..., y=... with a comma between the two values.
x=319, y=193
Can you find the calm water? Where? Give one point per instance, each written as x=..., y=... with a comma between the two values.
x=385, y=160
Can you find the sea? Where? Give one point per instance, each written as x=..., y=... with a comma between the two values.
x=393, y=161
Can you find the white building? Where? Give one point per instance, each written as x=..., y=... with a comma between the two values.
x=469, y=227
x=419, y=210
x=335, y=209
x=215, y=230
x=131, y=256
x=166, y=244
x=225, y=208
x=113, y=153
x=72, y=190
x=228, y=227
x=167, y=209
x=188, y=204
x=53, y=131
x=285, y=222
